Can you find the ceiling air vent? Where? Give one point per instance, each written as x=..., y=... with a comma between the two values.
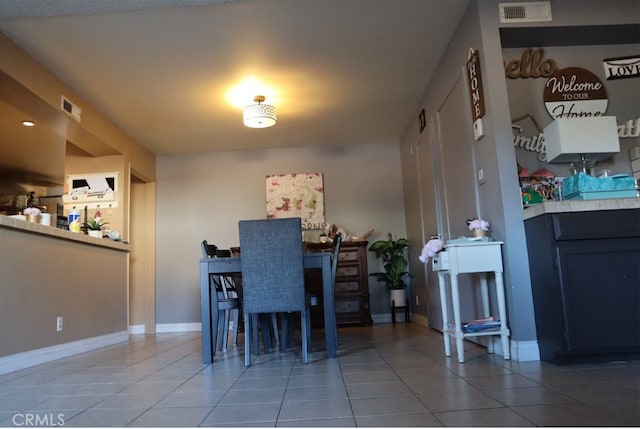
x=536, y=11
x=74, y=111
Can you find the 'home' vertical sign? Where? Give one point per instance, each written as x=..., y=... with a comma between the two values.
x=474, y=79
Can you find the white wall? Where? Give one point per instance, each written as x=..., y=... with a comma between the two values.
x=203, y=196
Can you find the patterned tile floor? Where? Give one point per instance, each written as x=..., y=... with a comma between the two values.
x=386, y=375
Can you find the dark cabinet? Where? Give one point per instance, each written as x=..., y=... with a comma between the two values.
x=352, y=285
x=585, y=278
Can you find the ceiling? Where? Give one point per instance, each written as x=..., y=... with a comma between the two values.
x=338, y=71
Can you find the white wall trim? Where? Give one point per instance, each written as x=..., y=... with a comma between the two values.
x=419, y=319
x=23, y=360
x=521, y=351
x=165, y=328
x=525, y=351
x=137, y=329
x=386, y=317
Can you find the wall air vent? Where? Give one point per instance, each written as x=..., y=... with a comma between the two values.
x=536, y=11
x=68, y=107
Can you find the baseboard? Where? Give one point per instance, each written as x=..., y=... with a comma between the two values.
x=386, y=317
x=521, y=351
x=525, y=351
x=419, y=319
x=31, y=358
x=137, y=329
x=164, y=328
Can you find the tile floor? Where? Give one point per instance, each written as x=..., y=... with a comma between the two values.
x=386, y=375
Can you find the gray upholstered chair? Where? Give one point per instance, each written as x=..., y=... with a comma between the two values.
x=225, y=299
x=272, y=273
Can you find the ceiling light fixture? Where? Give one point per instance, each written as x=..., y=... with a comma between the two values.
x=259, y=115
x=27, y=123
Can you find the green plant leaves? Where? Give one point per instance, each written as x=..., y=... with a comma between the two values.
x=394, y=261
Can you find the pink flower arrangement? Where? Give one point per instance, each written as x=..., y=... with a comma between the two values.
x=31, y=211
x=478, y=224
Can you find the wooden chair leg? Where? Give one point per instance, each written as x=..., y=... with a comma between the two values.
x=287, y=331
x=224, y=330
x=214, y=328
x=305, y=345
x=247, y=340
x=308, y=322
x=236, y=323
x=255, y=338
x=274, y=326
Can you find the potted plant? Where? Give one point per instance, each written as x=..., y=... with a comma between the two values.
x=394, y=261
x=32, y=214
x=94, y=225
x=478, y=227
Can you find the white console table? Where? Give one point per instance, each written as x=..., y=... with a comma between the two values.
x=471, y=257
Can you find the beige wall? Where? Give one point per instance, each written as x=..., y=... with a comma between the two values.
x=96, y=135
x=45, y=277
x=142, y=287
x=107, y=148
x=203, y=196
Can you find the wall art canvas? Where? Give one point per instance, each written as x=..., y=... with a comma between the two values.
x=297, y=195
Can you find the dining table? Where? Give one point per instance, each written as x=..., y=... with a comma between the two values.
x=219, y=266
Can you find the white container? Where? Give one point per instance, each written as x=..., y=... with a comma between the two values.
x=45, y=219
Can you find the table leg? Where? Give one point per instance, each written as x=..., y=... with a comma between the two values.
x=445, y=313
x=330, y=329
x=455, y=297
x=504, y=331
x=205, y=307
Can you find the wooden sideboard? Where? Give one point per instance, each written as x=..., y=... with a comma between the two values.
x=352, y=285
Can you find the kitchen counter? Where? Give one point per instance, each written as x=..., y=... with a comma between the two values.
x=583, y=260
x=571, y=206
x=35, y=228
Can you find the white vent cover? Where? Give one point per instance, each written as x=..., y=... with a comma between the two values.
x=67, y=106
x=536, y=11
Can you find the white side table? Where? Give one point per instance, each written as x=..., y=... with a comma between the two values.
x=468, y=257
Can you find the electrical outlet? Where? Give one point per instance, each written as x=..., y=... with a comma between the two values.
x=59, y=323
x=481, y=178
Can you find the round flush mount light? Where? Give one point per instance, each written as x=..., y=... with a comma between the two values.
x=28, y=123
x=259, y=115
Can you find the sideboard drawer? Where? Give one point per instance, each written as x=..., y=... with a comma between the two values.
x=352, y=284
x=348, y=306
x=348, y=255
x=347, y=286
x=347, y=271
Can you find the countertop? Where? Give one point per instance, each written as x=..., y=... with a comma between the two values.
x=35, y=228
x=534, y=210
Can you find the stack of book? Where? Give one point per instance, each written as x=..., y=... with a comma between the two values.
x=481, y=324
